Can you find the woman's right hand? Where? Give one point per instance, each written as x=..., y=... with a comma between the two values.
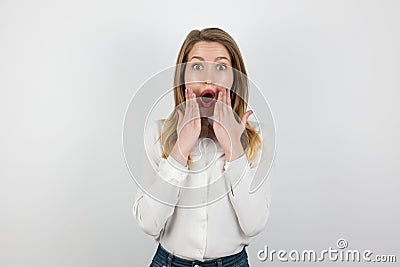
x=188, y=128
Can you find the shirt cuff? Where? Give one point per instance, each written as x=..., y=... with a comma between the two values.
x=171, y=170
x=235, y=170
x=237, y=164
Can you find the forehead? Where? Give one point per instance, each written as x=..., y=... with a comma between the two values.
x=209, y=51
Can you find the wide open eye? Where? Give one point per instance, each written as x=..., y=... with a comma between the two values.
x=197, y=66
x=221, y=67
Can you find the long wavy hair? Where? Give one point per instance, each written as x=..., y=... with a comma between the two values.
x=251, y=141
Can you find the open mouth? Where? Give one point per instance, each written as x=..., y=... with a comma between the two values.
x=207, y=97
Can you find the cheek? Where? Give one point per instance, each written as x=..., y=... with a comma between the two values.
x=224, y=79
x=196, y=87
x=192, y=76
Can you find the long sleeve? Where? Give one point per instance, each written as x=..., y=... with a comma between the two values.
x=153, y=210
x=251, y=208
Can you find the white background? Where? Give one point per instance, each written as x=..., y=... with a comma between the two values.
x=329, y=69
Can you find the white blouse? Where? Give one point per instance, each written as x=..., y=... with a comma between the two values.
x=208, y=231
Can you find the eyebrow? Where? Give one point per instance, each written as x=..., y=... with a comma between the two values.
x=201, y=58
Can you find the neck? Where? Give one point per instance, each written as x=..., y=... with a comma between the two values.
x=207, y=130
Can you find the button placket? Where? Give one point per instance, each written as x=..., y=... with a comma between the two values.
x=202, y=226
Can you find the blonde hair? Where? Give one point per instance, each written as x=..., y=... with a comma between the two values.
x=239, y=104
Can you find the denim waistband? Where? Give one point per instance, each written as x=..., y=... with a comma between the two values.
x=165, y=256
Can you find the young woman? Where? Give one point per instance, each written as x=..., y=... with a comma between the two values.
x=216, y=233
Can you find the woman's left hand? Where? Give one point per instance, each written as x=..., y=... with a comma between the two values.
x=226, y=128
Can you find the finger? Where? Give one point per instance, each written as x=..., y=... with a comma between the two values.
x=246, y=116
x=217, y=107
x=220, y=99
x=222, y=103
x=228, y=97
x=180, y=116
x=186, y=98
x=195, y=105
x=224, y=96
x=196, y=112
x=190, y=103
x=227, y=110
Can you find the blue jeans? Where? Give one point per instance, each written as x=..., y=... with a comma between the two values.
x=163, y=258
